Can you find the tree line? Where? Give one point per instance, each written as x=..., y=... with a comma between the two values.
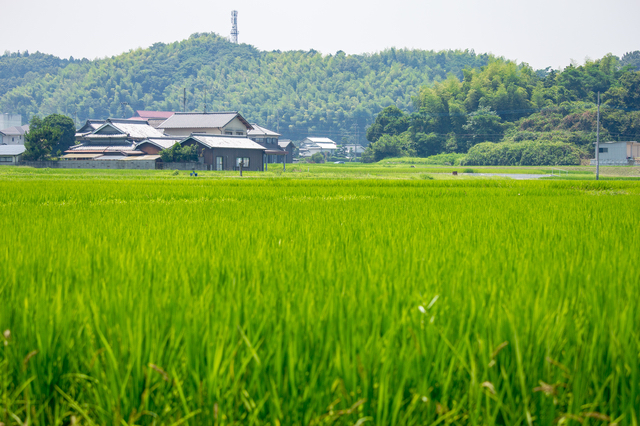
x=297, y=93
x=512, y=103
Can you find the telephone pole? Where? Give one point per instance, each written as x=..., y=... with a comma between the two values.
x=598, y=141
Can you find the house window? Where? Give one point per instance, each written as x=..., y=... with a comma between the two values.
x=219, y=163
x=603, y=150
x=228, y=132
x=243, y=160
x=239, y=133
x=6, y=159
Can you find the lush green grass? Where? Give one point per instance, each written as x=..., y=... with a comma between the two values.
x=160, y=299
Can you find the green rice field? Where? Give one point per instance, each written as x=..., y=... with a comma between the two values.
x=147, y=298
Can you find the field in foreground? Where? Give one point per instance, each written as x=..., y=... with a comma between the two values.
x=289, y=301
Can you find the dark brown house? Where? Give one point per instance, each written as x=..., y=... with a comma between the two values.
x=226, y=152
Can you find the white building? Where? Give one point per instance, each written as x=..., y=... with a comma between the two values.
x=310, y=146
x=352, y=149
x=10, y=120
x=618, y=154
x=13, y=135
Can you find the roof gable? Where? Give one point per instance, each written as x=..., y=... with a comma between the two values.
x=108, y=129
x=202, y=120
x=261, y=131
x=222, y=141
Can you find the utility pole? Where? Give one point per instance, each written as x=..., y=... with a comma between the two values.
x=184, y=99
x=598, y=141
x=124, y=107
x=205, y=101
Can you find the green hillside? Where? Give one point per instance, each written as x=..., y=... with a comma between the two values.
x=297, y=92
x=509, y=103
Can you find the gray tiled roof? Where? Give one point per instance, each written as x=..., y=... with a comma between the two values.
x=200, y=120
x=163, y=143
x=136, y=129
x=214, y=141
x=11, y=149
x=15, y=131
x=284, y=143
x=261, y=131
x=80, y=148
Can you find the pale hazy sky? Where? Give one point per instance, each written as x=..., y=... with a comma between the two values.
x=542, y=33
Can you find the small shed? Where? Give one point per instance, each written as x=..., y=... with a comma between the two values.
x=618, y=153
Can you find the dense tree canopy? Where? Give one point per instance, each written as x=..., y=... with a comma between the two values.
x=297, y=93
x=40, y=139
x=506, y=102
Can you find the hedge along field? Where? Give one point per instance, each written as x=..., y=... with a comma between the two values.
x=272, y=301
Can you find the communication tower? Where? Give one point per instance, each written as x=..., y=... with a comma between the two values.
x=234, y=26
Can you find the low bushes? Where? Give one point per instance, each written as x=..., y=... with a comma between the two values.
x=522, y=154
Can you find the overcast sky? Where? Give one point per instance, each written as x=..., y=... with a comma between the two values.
x=542, y=33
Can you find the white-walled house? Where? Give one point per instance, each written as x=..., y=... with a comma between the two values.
x=311, y=145
x=13, y=135
x=618, y=153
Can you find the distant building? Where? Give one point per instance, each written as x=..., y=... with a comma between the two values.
x=155, y=118
x=89, y=127
x=353, y=150
x=11, y=154
x=113, y=140
x=10, y=120
x=618, y=154
x=212, y=123
x=311, y=145
x=13, y=135
x=289, y=147
x=153, y=146
x=269, y=139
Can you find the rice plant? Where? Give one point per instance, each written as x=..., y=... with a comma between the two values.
x=166, y=301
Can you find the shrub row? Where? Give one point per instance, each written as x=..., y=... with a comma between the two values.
x=522, y=154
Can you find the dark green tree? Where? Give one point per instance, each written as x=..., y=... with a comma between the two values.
x=67, y=131
x=482, y=125
x=317, y=158
x=631, y=60
x=389, y=146
x=179, y=154
x=40, y=140
x=391, y=121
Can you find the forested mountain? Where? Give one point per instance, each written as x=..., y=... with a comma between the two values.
x=17, y=68
x=296, y=92
x=506, y=102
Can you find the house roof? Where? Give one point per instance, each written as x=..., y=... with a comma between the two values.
x=154, y=114
x=101, y=148
x=261, y=131
x=320, y=140
x=202, y=120
x=284, y=143
x=15, y=131
x=11, y=149
x=222, y=141
x=134, y=129
x=163, y=143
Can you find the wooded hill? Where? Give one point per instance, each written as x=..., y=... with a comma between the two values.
x=297, y=93
x=447, y=101
x=506, y=102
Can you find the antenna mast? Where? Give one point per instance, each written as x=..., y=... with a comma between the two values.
x=234, y=26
